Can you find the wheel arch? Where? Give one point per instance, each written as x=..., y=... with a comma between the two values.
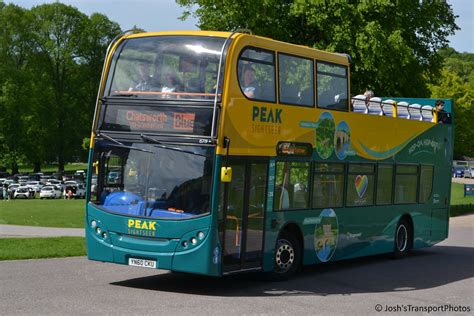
x=294, y=229
x=411, y=236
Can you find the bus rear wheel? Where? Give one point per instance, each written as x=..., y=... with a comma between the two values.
x=287, y=258
x=403, y=235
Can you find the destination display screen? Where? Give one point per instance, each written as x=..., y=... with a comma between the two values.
x=294, y=149
x=193, y=121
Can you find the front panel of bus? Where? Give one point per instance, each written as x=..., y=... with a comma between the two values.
x=152, y=160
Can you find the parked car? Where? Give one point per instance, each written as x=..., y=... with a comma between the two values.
x=458, y=172
x=24, y=192
x=94, y=184
x=44, y=179
x=55, y=183
x=9, y=182
x=12, y=187
x=34, y=185
x=77, y=189
x=22, y=179
x=50, y=192
x=58, y=175
x=469, y=172
x=35, y=176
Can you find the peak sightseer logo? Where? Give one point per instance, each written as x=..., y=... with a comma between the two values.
x=141, y=227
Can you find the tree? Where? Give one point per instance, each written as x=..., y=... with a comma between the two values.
x=15, y=81
x=454, y=87
x=52, y=57
x=393, y=44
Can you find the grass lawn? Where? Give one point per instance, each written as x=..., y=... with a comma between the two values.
x=47, y=213
x=459, y=203
x=34, y=248
x=457, y=195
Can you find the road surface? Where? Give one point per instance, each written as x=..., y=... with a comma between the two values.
x=432, y=277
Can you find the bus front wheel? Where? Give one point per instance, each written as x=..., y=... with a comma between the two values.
x=403, y=235
x=287, y=258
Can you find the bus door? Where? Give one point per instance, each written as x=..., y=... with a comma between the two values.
x=244, y=209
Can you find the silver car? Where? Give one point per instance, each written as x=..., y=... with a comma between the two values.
x=24, y=192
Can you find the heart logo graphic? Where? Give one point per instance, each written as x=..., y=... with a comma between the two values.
x=361, y=184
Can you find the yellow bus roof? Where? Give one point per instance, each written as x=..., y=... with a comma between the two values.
x=341, y=58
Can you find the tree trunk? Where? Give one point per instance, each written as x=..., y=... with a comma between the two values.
x=36, y=166
x=15, y=168
x=60, y=164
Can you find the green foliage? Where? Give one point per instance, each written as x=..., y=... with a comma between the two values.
x=50, y=70
x=393, y=44
x=35, y=248
x=451, y=85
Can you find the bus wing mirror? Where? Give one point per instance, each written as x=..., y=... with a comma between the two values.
x=226, y=174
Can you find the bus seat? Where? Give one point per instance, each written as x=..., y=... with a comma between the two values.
x=375, y=106
x=415, y=112
x=402, y=110
x=358, y=104
x=289, y=94
x=195, y=86
x=306, y=96
x=387, y=107
x=266, y=91
x=427, y=113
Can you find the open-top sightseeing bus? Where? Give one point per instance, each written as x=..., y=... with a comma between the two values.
x=218, y=153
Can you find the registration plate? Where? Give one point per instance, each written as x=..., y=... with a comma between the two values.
x=142, y=263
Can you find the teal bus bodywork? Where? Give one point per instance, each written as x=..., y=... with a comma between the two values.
x=357, y=231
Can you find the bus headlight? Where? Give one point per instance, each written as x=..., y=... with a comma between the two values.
x=200, y=235
x=98, y=230
x=194, y=240
x=93, y=224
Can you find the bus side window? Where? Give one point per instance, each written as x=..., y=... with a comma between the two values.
x=291, y=185
x=296, y=80
x=332, y=86
x=256, y=74
x=328, y=185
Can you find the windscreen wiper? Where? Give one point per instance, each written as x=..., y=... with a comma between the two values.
x=120, y=144
x=161, y=145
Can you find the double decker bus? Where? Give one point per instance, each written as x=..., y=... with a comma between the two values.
x=217, y=153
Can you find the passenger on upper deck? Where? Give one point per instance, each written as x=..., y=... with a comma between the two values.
x=368, y=94
x=248, y=84
x=142, y=83
x=171, y=84
x=443, y=116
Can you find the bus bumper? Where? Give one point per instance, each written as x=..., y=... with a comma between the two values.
x=176, y=245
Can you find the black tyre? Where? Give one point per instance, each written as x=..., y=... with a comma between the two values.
x=287, y=258
x=403, y=236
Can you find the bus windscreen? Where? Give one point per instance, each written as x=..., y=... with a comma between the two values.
x=166, y=67
x=155, y=181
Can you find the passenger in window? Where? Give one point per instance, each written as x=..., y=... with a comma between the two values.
x=443, y=116
x=368, y=94
x=143, y=82
x=249, y=86
x=171, y=85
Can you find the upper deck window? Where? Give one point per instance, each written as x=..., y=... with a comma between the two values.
x=256, y=72
x=296, y=80
x=166, y=67
x=332, y=86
